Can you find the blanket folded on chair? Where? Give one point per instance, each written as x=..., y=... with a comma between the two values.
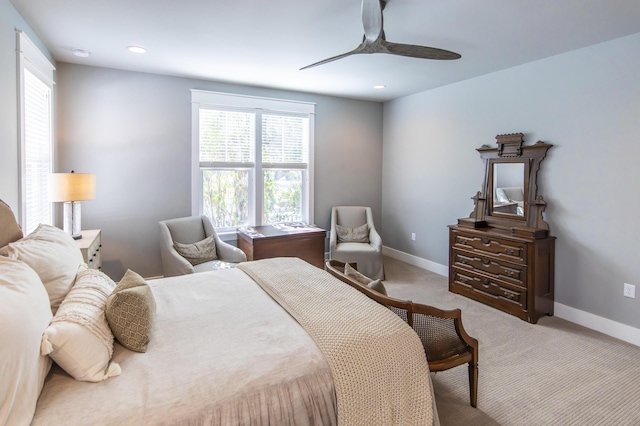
x=377, y=361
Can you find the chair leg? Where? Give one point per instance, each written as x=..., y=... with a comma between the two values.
x=473, y=383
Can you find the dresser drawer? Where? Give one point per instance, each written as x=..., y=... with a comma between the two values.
x=492, y=290
x=512, y=251
x=94, y=260
x=511, y=272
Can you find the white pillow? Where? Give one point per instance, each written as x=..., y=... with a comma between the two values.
x=24, y=315
x=55, y=257
x=79, y=338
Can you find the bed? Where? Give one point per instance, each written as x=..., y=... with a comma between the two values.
x=274, y=341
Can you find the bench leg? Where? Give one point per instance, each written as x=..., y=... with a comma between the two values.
x=473, y=383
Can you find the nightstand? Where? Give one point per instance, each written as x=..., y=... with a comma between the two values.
x=90, y=245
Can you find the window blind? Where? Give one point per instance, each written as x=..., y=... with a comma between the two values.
x=226, y=137
x=284, y=139
x=37, y=151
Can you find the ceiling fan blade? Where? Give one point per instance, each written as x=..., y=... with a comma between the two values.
x=372, y=19
x=374, y=39
x=422, y=52
x=333, y=58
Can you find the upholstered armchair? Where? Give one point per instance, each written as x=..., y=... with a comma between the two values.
x=190, y=230
x=350, y=247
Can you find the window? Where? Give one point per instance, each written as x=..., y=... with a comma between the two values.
x=251, y=160
x=35, y=133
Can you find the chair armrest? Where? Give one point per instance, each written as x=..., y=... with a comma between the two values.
x=443, y=336
x=176, y=264
x=172, y=263
x=375, y=240
x=333, y=235
x=228, y=252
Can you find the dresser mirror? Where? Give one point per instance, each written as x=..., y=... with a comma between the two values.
x=509, y=198
x=508, y=189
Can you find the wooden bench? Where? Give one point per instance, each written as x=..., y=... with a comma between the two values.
x=446, y=343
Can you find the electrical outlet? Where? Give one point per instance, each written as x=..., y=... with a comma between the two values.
x=413, y=236
x=630, y=290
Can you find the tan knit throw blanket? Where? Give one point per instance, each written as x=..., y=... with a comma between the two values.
x=378, y=364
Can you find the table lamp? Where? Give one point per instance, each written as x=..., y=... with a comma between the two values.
x=71, y=188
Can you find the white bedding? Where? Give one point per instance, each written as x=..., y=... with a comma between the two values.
x=258, y=366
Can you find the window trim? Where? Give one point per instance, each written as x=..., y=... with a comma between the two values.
x=29, y=56
x=229, y=101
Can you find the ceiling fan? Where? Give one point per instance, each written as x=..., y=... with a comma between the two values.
x=374, y=40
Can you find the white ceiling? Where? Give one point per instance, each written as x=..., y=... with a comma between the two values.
x=266, y=42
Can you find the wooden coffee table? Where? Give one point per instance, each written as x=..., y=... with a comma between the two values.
x=283, y=240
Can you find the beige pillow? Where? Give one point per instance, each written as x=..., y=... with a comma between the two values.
x=359, y=234
x=11, y=231
x=131, y=310
x=55, y=257
x=24, y=315
x=375, y=285
x=79, y=338
x=200, y=252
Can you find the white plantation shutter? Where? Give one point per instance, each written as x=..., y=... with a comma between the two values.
x=35, y=74
x=37, y=151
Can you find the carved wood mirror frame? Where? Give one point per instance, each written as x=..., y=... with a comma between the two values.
x=510, y=150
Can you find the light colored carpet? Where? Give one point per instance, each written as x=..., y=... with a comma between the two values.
x=551, y=373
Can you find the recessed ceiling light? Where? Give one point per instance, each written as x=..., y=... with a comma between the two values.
x=379, y=86
x=81, y=53
x=136, y=49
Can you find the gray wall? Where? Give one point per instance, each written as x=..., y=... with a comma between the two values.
x=587, y=104
x=133, y=130
x=10, y=21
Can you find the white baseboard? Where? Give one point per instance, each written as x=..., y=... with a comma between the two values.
x=594, y=322
x=416, y=261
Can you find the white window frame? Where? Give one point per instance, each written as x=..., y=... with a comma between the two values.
x=30, y=58
x=228, y=101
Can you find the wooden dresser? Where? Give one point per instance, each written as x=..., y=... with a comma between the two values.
x=513, y=274
x=504, y=257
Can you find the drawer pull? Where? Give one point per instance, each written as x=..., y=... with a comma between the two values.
x=486, y=262
x=509, y=251
x=509, y=296
x=486, y=241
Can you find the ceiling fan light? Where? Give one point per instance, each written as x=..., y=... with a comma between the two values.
x=136, y=49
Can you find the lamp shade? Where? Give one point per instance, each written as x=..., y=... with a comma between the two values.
x=72, y=186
